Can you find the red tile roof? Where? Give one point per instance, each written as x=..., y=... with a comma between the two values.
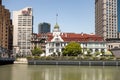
x=80, y=37
x=67, y=37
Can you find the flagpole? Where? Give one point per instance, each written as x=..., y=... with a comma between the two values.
x=56, y=18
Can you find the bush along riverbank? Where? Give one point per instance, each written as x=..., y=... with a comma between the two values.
x=73, y=60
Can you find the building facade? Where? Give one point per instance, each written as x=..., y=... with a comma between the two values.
x=38, y=40
x=6, y=29
x=44, y=27
x=113, y=43
x=23, y=28
x=57, y=41
x=107, y=18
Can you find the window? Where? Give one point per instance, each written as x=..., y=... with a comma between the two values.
x=57, y=44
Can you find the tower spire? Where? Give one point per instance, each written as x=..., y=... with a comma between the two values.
x=56, y=25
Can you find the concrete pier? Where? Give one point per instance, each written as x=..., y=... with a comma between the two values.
x=80, y=63
x=21, y=61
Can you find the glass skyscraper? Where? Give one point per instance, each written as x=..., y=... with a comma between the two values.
x=44, y=27
x=118, y=14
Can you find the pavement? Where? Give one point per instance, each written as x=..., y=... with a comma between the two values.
x=21, y=61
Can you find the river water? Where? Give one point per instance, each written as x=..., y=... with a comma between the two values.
x=47, y=72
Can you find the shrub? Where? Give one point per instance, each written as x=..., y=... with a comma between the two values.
x=50, y=58
x=36, y=57
x=29, y=57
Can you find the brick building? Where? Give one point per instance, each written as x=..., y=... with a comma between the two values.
x=6, y=28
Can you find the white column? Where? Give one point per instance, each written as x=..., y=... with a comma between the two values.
x=54, y=47
x=93, y=51
x=99, y=50
x=105, y=50
x=60, y=50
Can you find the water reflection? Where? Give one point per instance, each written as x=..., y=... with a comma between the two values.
x=40, y=72
x=76, y=73
x=4, y=71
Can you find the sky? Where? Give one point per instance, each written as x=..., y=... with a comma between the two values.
x=76, y=16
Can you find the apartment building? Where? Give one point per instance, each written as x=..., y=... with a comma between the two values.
x=107, y=18
x=6, y=29
x=23, y=28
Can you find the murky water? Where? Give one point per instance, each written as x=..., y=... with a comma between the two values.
x=47, y=72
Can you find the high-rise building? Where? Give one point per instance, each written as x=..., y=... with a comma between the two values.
x=6, y=28
x=44, y=27
x=0, y=2
x=118, y=14
x=107, y=23
x=23, y=27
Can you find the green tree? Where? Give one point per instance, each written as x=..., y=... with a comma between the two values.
x=97, y=53
x=37, y=51
x=72, y=49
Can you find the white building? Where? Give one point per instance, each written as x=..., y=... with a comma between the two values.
x=57, y=41
x=23, y=27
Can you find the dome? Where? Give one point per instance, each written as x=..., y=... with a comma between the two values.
x=56, y=26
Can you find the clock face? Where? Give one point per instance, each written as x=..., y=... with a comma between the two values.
x=57, y=39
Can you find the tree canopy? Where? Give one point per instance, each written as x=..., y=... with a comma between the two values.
x=72, y=49
x=37, y=51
